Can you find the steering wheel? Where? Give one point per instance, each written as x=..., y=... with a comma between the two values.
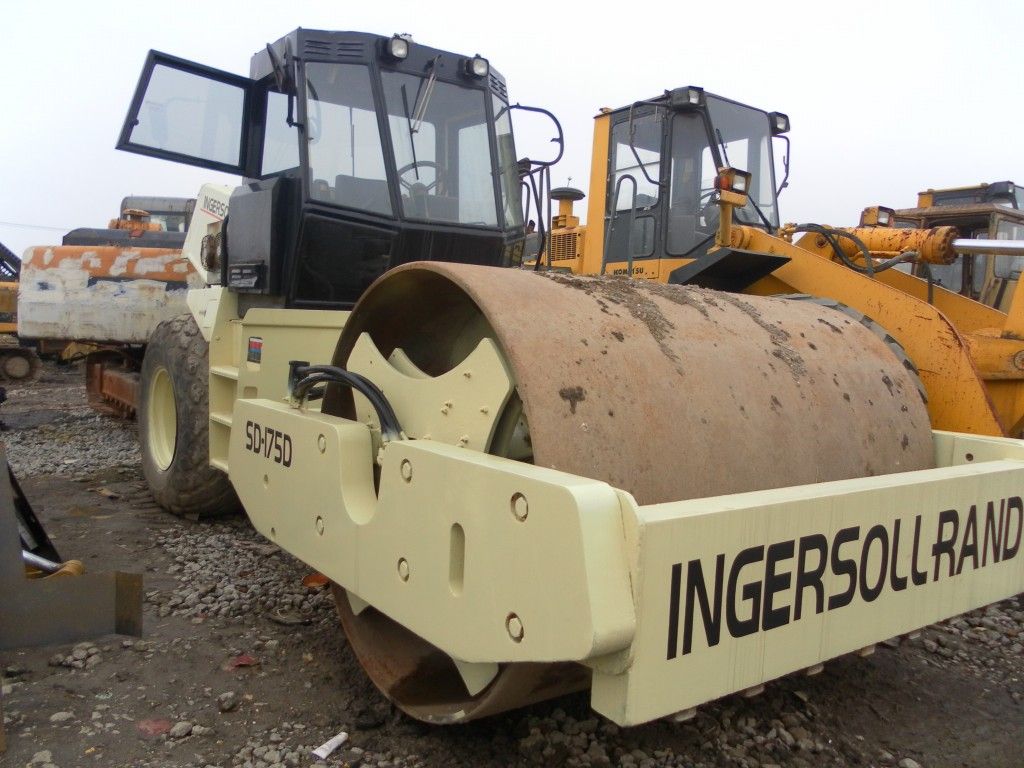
x=747, y=215
x=420, y=187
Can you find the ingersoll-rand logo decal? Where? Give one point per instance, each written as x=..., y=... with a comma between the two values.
x=764, y=587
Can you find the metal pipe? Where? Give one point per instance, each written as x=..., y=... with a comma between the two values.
x=994, y=247
x=44, y=565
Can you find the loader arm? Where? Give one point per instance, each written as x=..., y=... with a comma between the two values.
x=957, y=398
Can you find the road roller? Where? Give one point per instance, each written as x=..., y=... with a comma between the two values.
x=526, y=482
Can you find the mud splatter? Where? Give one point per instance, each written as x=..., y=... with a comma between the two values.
x=827, y=324
x=685, y=296
x=618, y=335
x=779, y=336
x=573, y=396
x=888, y=384
x=630, y=295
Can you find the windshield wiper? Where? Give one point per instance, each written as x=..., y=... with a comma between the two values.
x=760, y=213
x=419, y=110
x=408, y=121
x=721, y=143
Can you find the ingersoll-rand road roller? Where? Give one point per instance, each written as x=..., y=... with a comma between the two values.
x=527, y=482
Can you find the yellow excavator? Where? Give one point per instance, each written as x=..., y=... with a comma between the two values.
x=18, y=362
x=526, y=482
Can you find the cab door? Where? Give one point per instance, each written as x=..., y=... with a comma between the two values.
x=192, y=114
x=634, y=194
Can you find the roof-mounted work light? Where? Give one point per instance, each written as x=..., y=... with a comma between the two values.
x=779, y=123
x=396, y=48
x=477, y=66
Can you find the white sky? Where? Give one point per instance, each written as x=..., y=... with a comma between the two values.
x=885, y=98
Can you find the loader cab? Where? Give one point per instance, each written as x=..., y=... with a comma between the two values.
x=1005, y=194
x=986, y=211
x=358, y=153
x=663, y=159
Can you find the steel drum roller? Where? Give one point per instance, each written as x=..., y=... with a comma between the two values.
x=668, y=392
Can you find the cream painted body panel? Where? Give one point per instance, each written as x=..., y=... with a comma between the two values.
x=664, y=677
x=561, y=571
x=284, y=334
x=207, y=219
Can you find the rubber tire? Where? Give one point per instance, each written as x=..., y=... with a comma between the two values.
x=871, y=325
x=23, y=353
x=188, y=486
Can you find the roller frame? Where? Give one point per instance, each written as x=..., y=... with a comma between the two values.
x=589, y=572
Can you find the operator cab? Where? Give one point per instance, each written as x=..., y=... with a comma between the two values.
x=358, y=152
x=664, y=158
x=1002, y=193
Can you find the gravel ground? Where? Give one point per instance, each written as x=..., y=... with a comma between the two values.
x=243, y=665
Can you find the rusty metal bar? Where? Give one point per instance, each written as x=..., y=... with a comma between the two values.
x=112, y=384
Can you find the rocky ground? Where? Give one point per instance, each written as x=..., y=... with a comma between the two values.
x=241, y=664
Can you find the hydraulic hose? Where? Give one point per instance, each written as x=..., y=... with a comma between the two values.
x=870, y=267
x=306, y=377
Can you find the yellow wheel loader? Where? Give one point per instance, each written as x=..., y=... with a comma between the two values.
x=683, y=191
x=990, y=213
x=527, y=482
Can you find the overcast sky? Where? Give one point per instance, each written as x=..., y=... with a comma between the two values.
x=885, y=98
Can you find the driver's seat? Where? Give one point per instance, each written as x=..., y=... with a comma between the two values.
x=365, y=194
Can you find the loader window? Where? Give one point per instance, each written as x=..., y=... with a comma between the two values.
x=692, y=211
x=647, y=143
x=346, y=157
x=441, y=138
x=745, y=143
x=1009, y=267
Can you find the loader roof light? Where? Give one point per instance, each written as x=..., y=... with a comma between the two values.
x=687, y=97
x=877, y=216
x=397, y=48
x=733, y=180
x=779, y=122
x=477, y=66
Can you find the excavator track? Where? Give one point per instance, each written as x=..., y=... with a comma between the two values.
x=667, y=392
